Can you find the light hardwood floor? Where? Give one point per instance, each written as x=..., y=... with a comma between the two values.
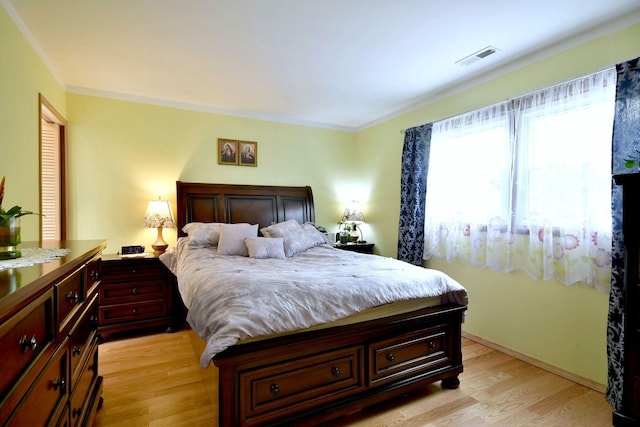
x=156, y=380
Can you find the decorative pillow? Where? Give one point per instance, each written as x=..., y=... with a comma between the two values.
x=313, y=234
x=202, y=234
x=281, y=227
x=262, y=247
x=232, y=238
x=296, y=238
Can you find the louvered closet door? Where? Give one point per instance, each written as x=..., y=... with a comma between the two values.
x=50, y=181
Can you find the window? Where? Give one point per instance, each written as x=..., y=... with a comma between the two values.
x=52, y=173
x=526, y=184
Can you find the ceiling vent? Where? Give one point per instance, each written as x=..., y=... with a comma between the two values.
x=481, y=54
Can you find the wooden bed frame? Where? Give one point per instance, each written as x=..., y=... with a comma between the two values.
x=311, y=377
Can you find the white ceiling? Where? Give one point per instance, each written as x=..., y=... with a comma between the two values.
x=342, y=64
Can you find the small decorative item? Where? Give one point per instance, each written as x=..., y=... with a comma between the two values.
x=227, y=151
x=159, y=215
x=351, y=218
x=632, y=161
x=10, y=228
x=248, y=153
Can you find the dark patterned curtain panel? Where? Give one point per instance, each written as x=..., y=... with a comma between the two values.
x=413, y=190
x=626, y=139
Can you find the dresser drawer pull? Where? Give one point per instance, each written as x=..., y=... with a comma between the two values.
x=76, y=412
x=58, y=383
x=28, y=343
x=335, y=371
x=91, y=367
x=94, y=275
x=134, y=291
x=73, y=297
x=134, y=311
x=431, y=345
x=76, y=350
x=390, y=357
x=133, y=271
x=275, y=389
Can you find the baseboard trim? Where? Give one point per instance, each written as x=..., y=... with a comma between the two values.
x=538, y=363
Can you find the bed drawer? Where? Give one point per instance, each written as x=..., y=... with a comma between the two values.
x=408, y=355
x=132, y=312
x=319, y=379
x=23, y=338
x=130, y=292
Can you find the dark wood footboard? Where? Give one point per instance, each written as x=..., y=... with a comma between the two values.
x=312, y=377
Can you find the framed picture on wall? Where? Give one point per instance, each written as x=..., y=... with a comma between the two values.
x=248, y=153
x=227, y=151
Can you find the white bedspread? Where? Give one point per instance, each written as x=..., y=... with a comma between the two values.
x=231, y=298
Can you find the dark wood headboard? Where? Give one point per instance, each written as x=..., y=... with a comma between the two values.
x=253, y=204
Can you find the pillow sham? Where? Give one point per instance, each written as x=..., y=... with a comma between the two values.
x=232, y=238
x=263, y=247
x=296, y=238
x=313, y=233
x=280, y=228
x=202, y=234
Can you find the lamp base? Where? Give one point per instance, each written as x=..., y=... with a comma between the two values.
x=159, y=246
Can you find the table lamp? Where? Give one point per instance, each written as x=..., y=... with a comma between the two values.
x=353, y=214
x=159, y=216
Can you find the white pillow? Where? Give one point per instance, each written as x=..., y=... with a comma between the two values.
x=313, y=234
x=281, y=227
x=232, y=238
x=262, y=247
x=202, y=234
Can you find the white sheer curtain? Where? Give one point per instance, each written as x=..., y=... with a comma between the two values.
x=526, y=184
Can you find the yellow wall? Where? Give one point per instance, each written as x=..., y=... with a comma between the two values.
x=562, y=326
x=122, y=154
x=22, y=77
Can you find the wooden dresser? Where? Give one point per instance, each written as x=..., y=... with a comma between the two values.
x=630, y=412
x=48, y=339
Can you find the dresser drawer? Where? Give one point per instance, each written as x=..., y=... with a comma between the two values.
x=132, y=271
x=320, y=378
x=131, y=312
x=130, y=292
x=23, y=338
x=47, y=395
x=92, y=273
x=81, y=337
x=408, y=355
x=80, y=396
x=69, y=295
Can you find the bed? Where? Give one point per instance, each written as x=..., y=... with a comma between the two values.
x=340, y=361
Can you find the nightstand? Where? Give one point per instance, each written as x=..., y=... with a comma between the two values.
x=363, y=248
x=135, y=293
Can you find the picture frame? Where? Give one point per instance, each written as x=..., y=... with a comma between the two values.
x=247, y=153
x=227, y=151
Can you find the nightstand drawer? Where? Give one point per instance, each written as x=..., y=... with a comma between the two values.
x=131, y=270
x=131, y=292
x=132, y=312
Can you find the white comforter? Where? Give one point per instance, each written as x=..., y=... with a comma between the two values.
x=231, y=298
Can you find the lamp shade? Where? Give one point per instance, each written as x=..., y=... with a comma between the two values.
x=353, y=214
x=158, y=215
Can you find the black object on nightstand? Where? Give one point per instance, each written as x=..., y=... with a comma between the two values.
x=135, y=293
x=363, y=248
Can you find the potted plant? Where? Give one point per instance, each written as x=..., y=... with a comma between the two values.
x=632, y=161
x=10, y=227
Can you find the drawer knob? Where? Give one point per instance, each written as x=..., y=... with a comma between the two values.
x=76, y=350
x=94, y=275
x=134, y=291
x=431, y=345
x=28, y=343
x=390, y=357
x=335, y=371
x=133, y=271
x=73, y=297
x=58, y=383
x=134, y=311
x=275, y=389
x=76, y=412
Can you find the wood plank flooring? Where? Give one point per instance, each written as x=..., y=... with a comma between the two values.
x=156, y=380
